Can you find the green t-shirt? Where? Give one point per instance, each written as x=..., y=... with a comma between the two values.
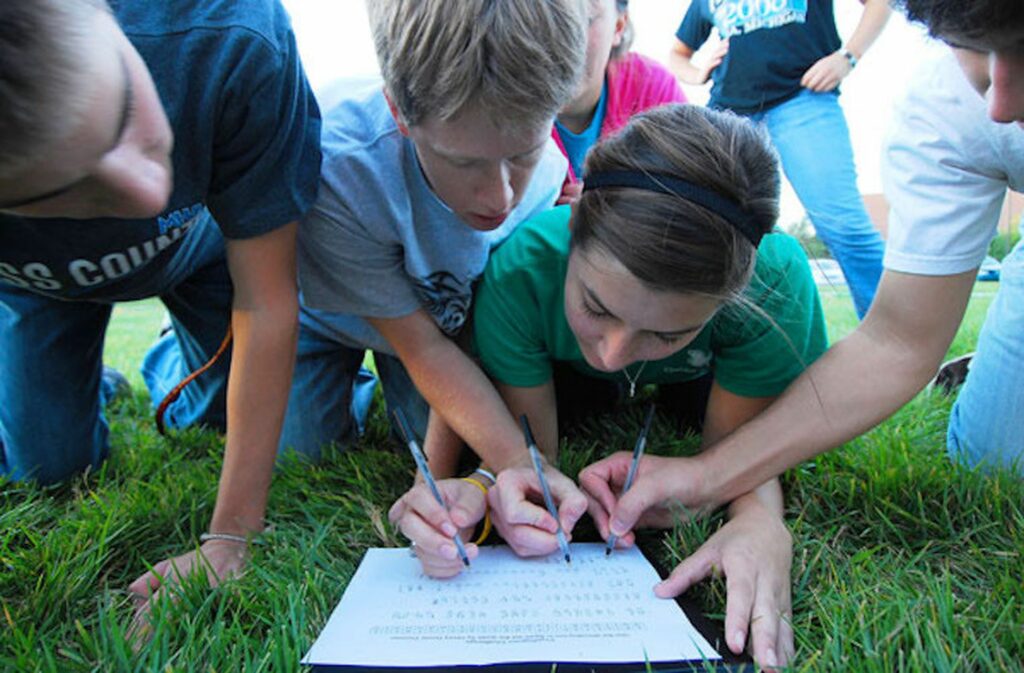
x=519, y=324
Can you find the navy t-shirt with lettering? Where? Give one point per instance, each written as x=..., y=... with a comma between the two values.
x=246, y=151
x=772, y=43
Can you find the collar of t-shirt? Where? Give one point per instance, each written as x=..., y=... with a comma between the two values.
x=576, y=145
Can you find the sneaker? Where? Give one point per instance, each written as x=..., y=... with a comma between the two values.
x=953, y=373
x=113, y=385
x=989, y=269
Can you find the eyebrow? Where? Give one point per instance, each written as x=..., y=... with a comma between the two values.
x=122, y=127
x=591, y=296
x=459, y=157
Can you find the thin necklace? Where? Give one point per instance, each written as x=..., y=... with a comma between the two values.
x=633, y=379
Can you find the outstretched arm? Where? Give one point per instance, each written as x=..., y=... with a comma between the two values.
x=858, y=383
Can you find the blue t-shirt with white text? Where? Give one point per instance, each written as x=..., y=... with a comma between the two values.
x=772, y=43
x=246, y=152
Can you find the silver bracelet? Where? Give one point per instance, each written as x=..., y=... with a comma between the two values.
x=848, y=55
x=227, y=537
x=486, y=473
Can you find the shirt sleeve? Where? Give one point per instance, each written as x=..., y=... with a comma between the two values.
x=347, y=268
x=694, y=29
x=662, y=87
x=267, y=145
x=762, y=345
x=507, y=331
x=942, y=180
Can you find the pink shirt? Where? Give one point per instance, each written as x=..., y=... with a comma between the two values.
x=635, y=83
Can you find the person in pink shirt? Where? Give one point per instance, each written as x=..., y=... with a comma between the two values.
x=617, y=83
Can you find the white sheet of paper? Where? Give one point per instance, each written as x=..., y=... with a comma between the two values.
x=506, y=609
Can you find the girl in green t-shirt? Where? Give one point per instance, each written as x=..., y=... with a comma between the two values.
x=670, y=271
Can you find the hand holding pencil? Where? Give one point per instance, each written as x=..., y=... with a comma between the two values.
x=648, y=502
x=521, y=516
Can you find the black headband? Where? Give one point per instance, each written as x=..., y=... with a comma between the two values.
x=666, y=184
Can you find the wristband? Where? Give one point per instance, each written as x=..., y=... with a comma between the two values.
x=252, y=538
x=848, y=55
x=486, y=473
x=227, y=537
x=486, y=530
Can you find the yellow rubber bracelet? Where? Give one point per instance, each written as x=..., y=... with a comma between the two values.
x=487, y=514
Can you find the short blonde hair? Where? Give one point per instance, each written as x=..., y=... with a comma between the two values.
x=517, y=60
x=41, y=66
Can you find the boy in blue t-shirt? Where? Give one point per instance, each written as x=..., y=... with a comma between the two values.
x=159, y=149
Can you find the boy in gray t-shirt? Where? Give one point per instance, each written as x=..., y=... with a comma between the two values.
x=419, y=182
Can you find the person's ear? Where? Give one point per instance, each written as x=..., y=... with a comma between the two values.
x=620, y=28
x=403, y=128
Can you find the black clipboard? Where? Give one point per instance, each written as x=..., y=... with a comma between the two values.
x=712, y=632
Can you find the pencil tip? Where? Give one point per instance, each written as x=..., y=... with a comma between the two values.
x=607, y=551
x=568, y=559
x=465, y=562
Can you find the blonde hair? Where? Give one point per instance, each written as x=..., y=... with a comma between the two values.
x=41, y=64
x=516, y=60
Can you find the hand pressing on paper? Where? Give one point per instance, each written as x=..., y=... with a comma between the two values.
x=650, y=503
x=430, y=527
x=754, y=550
x=519, y=515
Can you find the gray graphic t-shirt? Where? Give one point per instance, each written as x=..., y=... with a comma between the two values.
x=379, y=243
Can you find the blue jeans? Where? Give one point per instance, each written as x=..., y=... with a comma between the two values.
x=986, y=426
x=810, y=134
x=51, y=399
x=325, y=403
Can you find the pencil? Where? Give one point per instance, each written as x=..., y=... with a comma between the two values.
x=421, y=463
x=638, y=451
x=549, y=502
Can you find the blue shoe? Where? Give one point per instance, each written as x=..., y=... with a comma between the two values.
x=113, y=385
x=989, y=269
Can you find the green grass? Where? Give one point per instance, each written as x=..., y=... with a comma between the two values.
x=901, y=561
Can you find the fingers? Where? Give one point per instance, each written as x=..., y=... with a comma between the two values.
x=739, y=601
x=144, y=586
x=432, y=527
x=771, y=629
x=693, y=569
x=603, y=479
x=526, y=525
x=571, y=502
x=571, y=192
x=509, y=499
x=442, y=567
x=645, y=494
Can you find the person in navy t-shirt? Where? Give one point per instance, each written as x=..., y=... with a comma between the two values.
x=153, y=149
x=780, y=62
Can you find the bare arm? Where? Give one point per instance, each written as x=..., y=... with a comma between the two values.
x=455, y=387
x=872, y=22
x=857, y=384
x=540, y=406
x=680, y=62
x=264, y=322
